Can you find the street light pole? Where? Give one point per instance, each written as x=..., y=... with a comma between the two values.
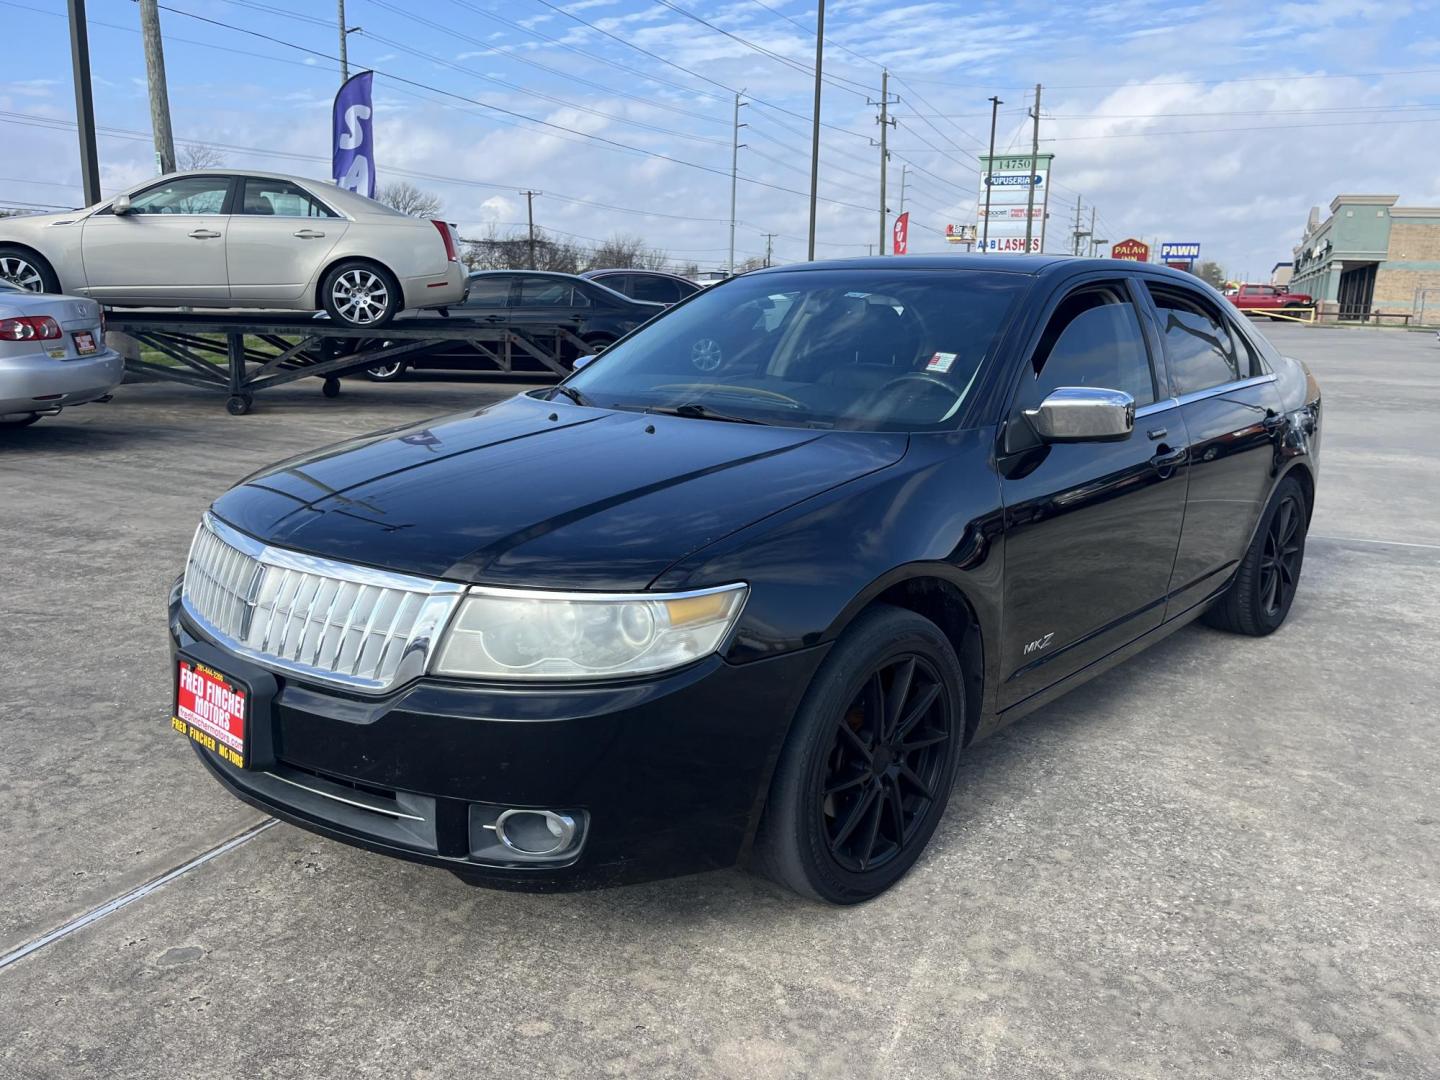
x=995, y=104
x=815, y=124
x=734, y=175
x=1034, y=163
x=344, y=54
x=84, y=102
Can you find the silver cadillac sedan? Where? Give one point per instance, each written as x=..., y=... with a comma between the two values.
x=52, y=355
x=225, y=239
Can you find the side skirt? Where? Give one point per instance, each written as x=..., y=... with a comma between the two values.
x=1104, y=664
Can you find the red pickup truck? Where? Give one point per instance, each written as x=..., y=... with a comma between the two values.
x=1257, y=299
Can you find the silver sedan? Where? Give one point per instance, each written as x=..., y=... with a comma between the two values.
x=52, y=355
x=223, y=239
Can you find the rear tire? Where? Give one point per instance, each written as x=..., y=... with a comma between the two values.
x=391, y=371
x=867, y=769
x=361, y=294
x=29, y=271
x=1259, y=599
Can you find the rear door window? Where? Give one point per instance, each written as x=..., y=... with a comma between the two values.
x=1200, y=350
x=545, y=292
x=280, y=198
x=656, y=289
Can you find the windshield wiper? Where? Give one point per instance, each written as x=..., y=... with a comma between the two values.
x=695, y=411
x=570, y=392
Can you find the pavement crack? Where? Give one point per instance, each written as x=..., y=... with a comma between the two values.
x=95, y=914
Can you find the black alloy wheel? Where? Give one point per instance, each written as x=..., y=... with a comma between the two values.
x=885, y=764
x=1259, y=598
x=866, y=772
x=1280, y=557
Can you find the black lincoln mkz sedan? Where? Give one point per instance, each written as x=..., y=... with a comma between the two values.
x=744, y=588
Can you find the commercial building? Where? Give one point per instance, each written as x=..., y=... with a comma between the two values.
x=1371, y=256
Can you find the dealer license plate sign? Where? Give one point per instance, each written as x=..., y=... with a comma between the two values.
x=212, y=709
x=84, y=342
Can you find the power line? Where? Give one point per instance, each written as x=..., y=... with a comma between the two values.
x=1217, y=131
x=600, y=139
x=1140, y=83
x=520, y=58
x=836, y=81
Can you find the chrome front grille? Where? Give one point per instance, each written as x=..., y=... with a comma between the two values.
x=334, y=622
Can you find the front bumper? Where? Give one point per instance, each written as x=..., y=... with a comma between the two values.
x=25, y=378
x=668, y=773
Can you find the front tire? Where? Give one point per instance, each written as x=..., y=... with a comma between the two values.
x=867, y=769
x=28, y=271
x=1259, y=598
x=360, y=294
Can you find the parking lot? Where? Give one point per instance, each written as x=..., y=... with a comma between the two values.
x=1222, y=858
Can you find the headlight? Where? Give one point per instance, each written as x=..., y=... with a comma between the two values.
x=510, y=634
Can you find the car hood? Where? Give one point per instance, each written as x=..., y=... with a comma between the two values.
x=545, y=494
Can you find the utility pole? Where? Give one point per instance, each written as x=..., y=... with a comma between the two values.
x=1079, y=234
x=159, y=96
x=1034, y=161
x=815, y=124
x=769, y=236
x=84, y=102
x=344, y=54
x=734, y=173
x=1092, y=232
x=530, y=217
x=885, y=124
x=995, y=104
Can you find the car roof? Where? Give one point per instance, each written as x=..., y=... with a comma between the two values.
x=644, y=273
x=1032, y=265
x=540, y=273
x=349, y=201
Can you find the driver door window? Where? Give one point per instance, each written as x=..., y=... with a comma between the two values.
x=1093, y=339
x=186, y=195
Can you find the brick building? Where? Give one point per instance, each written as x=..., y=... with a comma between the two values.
x=1369, y=256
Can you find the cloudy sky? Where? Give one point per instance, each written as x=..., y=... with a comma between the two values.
x=1215, y=122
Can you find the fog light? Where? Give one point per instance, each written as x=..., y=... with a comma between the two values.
x=535, y=832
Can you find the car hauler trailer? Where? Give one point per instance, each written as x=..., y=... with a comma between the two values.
x=240, y=355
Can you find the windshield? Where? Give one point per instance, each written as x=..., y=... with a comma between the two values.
x=875, y=350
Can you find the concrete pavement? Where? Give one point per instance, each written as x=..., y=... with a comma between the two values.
x=1222, y=858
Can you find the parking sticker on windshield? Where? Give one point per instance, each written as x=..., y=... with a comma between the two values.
x=941, y=362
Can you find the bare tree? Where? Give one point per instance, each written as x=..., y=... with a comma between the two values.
x=409, y=199
x=512, y=252
x=627, y=252
x=1210, y=272
x=197, y=156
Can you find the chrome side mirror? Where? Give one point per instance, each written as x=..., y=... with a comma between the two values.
x=1083, y=414
x=121, y=205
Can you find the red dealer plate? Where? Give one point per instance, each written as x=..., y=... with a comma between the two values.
x=84, y=342
x=212, y=709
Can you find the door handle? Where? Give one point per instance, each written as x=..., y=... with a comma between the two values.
x=308, y=234
x=204, y=234
x=1165, y=461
